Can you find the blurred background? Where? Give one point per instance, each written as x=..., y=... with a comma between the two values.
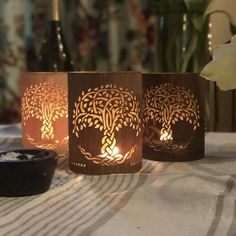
x=101, y=35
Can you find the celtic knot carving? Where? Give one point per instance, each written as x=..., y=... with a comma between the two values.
x=167, y=105
x=107, y=108
x=46, y=102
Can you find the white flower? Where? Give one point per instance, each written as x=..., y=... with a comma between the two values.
x=222, y=68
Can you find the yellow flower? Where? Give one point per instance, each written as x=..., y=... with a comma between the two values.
x=222, y=68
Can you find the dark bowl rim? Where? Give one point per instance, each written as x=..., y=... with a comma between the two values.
x=50, y=155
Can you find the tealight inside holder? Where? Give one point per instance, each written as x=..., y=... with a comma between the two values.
x=173, y=117
x=105, y=122
x=44, y=106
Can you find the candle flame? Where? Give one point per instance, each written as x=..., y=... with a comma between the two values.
x=166, y=137
x=114, y=153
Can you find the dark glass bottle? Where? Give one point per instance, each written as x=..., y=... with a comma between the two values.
x=54, y=54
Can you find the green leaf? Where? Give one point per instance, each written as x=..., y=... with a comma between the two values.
x=199, y=22
x=189, y=52
x=198, y=6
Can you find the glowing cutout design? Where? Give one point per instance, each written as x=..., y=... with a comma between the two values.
x=167, y=105
x=46, y=102
x=107, y=109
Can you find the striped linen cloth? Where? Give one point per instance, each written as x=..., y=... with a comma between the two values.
x=181, y=199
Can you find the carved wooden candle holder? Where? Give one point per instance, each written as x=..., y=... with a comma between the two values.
x=105, y=122
x=173, y=117
x=44, y=106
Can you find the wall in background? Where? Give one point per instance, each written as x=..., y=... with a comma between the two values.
x=124, y=27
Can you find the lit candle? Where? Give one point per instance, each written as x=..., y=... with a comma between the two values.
x=166, y=137
x=105, y=122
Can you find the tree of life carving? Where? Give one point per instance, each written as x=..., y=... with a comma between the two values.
x=168, y=105
x=46, y=102
x=107, y=109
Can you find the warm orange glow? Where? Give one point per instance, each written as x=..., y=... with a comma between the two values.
x=166, y=137
x=46, y=102
x=113, y=153
x=108, y=109
x=115, y=150
x=168, y=105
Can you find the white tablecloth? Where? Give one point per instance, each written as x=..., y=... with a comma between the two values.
x=181, y=199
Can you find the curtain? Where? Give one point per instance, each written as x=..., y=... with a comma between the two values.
x=110, y=34
x=12, y=57
x=101, y=34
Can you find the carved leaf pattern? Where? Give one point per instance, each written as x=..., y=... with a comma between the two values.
x=42, y=95
x=168, y=105
x=118, y=105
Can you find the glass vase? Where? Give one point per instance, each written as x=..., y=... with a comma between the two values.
x=183, y=42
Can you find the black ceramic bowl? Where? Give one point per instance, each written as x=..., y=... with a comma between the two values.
x=27, y=177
